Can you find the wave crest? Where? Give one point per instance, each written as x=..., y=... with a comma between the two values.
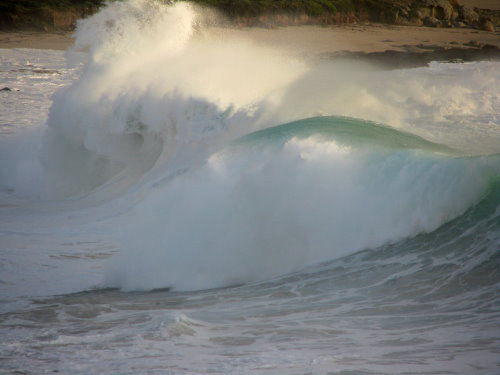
x=272, y=205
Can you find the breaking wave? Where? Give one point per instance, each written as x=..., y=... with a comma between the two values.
x=179, y=122
x=283, y=198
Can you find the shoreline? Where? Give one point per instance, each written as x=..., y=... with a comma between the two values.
x=385, y=46
x=61, y=40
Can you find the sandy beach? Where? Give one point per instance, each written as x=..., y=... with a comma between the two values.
x=366, y=38
x=183, y=198
x=484, y=4
x=310, y=40
x=36, y=39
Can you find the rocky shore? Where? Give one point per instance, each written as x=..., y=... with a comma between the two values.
x=46, y=15
x=431, y=13
x=57, y=15
x=420, y=55
x=403, y=44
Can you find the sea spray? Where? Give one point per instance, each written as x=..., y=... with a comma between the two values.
x=281, y=200
x=144, y=135
x=163, y=83
x=155, y=86
x=161, y=192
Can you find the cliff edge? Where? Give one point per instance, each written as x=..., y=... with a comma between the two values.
x=53, y=15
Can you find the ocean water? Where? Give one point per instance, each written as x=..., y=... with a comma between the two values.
x=174, y=201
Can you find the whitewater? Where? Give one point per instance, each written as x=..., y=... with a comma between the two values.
x=179, y=199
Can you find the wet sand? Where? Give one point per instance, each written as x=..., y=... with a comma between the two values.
x=311, y=40
x=370, y=38
x=387, y=46
x=36, y=39
x=483, y=4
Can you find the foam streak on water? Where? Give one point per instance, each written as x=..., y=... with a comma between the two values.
x=196, y=203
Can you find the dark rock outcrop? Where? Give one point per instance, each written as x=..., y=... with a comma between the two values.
x=431, y=21
x=486, y=24
x=48, y=16
x=468, y=15
x=63, y=14
x=421, y=55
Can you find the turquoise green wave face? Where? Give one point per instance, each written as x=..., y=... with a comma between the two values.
x=381, y=141
x=344, y=131
x=299, y=194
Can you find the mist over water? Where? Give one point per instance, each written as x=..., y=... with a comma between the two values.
x=256, y=211
x=356, y=210
x=159, y=82
x=148, y=136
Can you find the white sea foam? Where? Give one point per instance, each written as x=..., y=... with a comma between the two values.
x=157, y=195
x=160, y=85
x=161, y=94
x=155, y=86
x=252, y=215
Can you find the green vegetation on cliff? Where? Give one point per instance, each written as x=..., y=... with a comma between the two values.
x=26, y=7
x=258, y=7
x=49, y=13
x=43, y=14
x=62, y=14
